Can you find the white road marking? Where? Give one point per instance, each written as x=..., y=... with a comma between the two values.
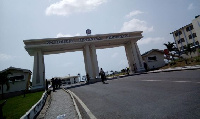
x=84, y=106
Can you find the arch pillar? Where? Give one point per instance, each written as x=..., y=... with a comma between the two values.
x=95, y=66
x=134, y=57
x=38, y=80
x=88, y=61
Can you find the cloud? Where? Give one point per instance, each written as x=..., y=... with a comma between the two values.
x=150, y=40
x=4, y=57
x=133, y=13
x=136, y=25
x=67, y=7
x=68, y=64
x=66, y=35
x=114, y=55
x=191, y=6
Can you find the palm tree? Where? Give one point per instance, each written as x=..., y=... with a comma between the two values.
x=189, y=49
x=171, y=47
x=4, y=80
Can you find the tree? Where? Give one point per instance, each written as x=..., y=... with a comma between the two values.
x=4, y=80
x=189, y=49
x=171, y=47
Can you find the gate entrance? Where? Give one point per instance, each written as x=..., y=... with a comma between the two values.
x=88, y=44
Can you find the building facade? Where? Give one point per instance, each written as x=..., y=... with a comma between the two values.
x=154, y=59
x=21, y=80
x=188, y=35
x=69, y=79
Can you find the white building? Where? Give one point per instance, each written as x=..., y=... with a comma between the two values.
x=154, y=59
x=70, y=79
x=189, y=34
x=22, y=80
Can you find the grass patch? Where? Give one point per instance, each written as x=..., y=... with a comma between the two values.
x=17, y=106
x=182, y=63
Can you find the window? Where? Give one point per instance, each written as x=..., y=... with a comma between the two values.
x=176, y=34
x=189, y=28
x=190, y=36
x=153, y=58
x=179, y=41
x=182, y=40
x=194, y=35
x=197, y=42
x=180, y=32
x=17, y=78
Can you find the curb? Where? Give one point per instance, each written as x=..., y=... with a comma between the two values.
x=181, y=69
x=35, y=109
x=76, y=107
x=45, y=108
x=89, y=113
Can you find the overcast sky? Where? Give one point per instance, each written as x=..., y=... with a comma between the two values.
x=36, y=19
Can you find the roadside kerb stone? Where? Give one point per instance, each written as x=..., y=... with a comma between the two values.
x=177, y=69
x=61, y=106
x=45, y=108
x=76, y=107
x=35, y=109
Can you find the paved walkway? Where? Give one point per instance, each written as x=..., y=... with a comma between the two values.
x=61, y=106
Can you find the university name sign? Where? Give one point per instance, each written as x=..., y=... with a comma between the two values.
x=87, y=39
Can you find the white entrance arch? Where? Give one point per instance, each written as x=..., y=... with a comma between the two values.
x=88, y=44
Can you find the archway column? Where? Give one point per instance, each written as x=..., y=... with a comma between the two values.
x=129, y=55
x=38, y=80
x=88, y=61
x=134, y=57
x=95, y=66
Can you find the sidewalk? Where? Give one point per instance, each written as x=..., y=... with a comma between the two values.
x=176, y=69
x=195, y=67
x=61, y=106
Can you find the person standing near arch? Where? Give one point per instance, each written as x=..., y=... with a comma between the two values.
x=102, y=74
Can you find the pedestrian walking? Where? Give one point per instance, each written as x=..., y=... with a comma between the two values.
x=56, y=83
x=102, y=74
x=88, y=78
x=127, y=70
x=135, y=67
x=145, y=66
x=53, y=84
x=59, y=82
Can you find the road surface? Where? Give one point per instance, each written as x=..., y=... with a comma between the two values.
x=155, y=95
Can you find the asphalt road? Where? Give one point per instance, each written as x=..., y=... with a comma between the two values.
x=147, y=96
